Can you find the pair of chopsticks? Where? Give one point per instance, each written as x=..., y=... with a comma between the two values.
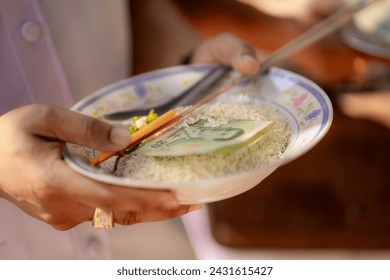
x=314, y=34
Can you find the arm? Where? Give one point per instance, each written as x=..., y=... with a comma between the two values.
x=163, y=37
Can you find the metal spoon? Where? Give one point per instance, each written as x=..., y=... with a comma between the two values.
x=190, y=95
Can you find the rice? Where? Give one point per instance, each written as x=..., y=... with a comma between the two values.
x=265, y=150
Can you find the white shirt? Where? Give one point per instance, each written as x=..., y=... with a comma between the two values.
x=54, y=51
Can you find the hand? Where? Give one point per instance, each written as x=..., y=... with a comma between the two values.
x=36, y=179
x=368, y=105
x=304, y=11
x=230, y=50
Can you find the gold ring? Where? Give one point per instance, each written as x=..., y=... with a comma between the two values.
x=103, y=219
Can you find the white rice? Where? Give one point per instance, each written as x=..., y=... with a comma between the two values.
x=268, y=148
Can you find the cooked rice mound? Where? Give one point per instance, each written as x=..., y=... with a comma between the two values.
x=266, y=149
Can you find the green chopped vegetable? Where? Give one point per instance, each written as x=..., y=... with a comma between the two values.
x=149, y=118
x=133, y=129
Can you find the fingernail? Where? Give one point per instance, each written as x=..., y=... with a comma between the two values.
x=248, y=57
x=248, y=65
x=120, y=137
x=195, y=207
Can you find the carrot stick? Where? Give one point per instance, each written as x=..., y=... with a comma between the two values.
x=160, y=121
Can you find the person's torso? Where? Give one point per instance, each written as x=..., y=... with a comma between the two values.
x=54, y=51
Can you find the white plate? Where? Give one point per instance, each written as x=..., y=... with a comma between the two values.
x=369, y=43
x=369, y=32
x=306, y=106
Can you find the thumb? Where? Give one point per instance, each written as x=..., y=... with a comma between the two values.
x=69, y=126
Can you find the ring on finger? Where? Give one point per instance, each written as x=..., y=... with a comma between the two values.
x=103, y=219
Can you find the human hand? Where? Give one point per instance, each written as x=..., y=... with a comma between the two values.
x=36, y=179
x=369, y=105
x=230, y=50
x=303, y=11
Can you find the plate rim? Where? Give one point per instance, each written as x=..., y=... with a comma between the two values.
x=149, y=184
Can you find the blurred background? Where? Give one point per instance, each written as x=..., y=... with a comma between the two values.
x=333, y=202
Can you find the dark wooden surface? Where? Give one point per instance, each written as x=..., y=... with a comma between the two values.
x=338, y=194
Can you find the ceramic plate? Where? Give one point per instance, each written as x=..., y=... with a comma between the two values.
x=369, y=32
x=369, y=43
x=305, y=105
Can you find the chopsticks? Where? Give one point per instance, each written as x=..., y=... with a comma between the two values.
x=317, y=32
x=146, y=131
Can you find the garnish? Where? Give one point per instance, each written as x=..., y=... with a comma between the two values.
x=138, y=136
x=139, y=122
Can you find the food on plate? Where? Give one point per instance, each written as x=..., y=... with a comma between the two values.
x=265, y=148
x=204, y=137
x=163, y=119
x=140, y=122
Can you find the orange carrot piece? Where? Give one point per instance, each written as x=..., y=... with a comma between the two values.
x=162, y=120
